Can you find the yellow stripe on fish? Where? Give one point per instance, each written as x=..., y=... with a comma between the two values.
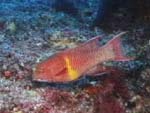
x=73, y=74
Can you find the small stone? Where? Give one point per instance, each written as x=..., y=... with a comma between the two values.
x=20, y=75
x=12, y=27
x=4, y=67
x=28, y=87
x=148, y=89
x=2, y=37
x=135, y=98
x=16, y=110
x=39, y=44
x=8, y=74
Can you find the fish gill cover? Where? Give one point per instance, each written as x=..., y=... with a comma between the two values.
x=34, y=30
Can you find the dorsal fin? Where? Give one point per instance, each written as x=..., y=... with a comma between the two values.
x=92, y=42
x=89, y=45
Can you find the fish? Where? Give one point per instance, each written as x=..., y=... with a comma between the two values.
x=85, y=59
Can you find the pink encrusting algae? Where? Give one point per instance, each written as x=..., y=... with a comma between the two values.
x=93, y=99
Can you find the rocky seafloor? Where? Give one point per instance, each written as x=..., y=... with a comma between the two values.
x=31, y=33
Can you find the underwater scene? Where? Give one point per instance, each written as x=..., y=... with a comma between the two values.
x=74, y=56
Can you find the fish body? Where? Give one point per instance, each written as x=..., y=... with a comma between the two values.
x=71, y=64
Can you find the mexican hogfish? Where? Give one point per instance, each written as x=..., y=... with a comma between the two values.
x=73, y=63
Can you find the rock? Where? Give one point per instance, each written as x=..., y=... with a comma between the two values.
x=12, y=27
x=2, y=37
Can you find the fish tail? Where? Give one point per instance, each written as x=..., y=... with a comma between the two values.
x=116, y=45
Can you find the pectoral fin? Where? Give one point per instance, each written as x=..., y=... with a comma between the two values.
x=62, y=72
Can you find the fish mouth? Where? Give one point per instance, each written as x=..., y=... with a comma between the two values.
x=40, y=78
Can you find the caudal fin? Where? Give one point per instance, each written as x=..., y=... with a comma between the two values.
x=117, y=48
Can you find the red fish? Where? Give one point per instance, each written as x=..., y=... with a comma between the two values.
x=73, y=63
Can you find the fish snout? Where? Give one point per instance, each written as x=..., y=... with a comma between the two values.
x=38, y=74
